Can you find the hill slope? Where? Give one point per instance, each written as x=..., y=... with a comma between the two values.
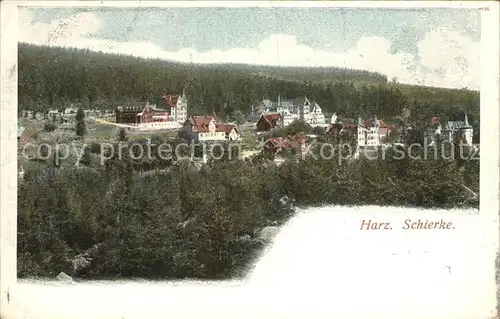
x=53, y=77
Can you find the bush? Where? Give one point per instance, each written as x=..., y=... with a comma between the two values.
x=95, y=148
x=49, y=127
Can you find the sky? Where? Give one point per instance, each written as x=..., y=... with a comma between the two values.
x=427, y=46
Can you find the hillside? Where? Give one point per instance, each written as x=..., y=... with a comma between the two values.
x=51, y=77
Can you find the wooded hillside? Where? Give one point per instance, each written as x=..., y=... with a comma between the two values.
x=53, y=77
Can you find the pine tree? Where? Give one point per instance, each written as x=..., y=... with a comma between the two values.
x=80, y=123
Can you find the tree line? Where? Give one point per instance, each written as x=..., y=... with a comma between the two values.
x=52, y=77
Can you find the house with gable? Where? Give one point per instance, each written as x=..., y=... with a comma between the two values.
x=207, y=128
x=268, y=122
x=278, y=144
x=453, y=131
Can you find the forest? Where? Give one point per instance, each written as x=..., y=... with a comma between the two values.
x=53, y=77
x=188, y=221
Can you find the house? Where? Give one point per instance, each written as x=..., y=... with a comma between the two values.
x=369, y=132
x=384, y=129
x=70, y=111
x=267, y=122
x=207, y=128
x=288, y=117
x=315, y=115
x=291, y=110
x=178, y=106
x=54, y=115
x=93, y=113
x=232, y=132
x=140, y=115
x=278, y=144
x=455, y=131
x=262, y=107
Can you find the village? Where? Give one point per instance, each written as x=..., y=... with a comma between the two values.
x=262, y=128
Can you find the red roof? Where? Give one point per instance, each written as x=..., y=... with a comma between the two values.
x=435, y=120
x=350, y=126
x=202, y=122
x=382, y=124
x=170, y=100
x=272, y=117
x=291, y=141
x=227, y=128
x=279, y=142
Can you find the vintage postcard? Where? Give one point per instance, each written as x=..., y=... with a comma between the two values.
x=249, y=159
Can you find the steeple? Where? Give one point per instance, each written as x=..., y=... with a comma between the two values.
x=466, y=121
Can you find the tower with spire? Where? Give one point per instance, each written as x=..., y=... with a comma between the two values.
x=182, y=107
x=466, y=132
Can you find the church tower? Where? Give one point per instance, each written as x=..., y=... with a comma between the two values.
x=465, y=132
x=182, y=104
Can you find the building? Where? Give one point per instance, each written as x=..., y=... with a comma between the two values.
x=368, y=135
x=268, y=122
x=291, y=110
x=70, y=111
x=373, y=131
x=455, y=131
x=288, y=118
x=316, y=116
x=278, y=144
x=145, y=118
x=178, y=106
x=54, y=115
x=93, y=113
x=207, y=128
x=370, y=132
x=231, y=130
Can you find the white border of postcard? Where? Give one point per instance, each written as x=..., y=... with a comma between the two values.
x=489, y=175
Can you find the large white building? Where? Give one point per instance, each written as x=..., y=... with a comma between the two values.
x=368, y=135
x=372, y=132
x=178, y=106
x=291, y=110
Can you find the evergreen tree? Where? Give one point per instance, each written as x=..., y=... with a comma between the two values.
x=80, y=122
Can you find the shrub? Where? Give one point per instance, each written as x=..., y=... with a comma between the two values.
x=49, y=127
x=95, y=148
